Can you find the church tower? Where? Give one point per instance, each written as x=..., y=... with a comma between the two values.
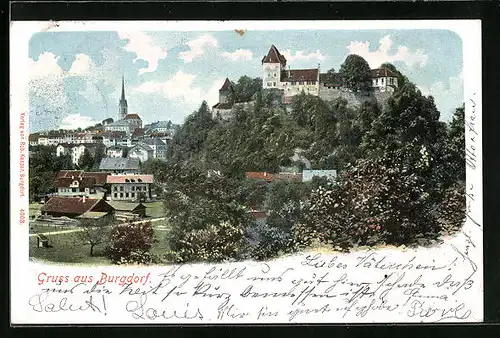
x=122, y=106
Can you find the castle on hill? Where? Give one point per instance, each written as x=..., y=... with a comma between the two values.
x=278, y=75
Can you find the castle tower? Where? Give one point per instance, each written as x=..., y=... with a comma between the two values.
x=272, y=65
x=122, y=106
x=224, y=91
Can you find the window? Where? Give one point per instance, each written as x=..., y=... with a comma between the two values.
x=115, y=195
x=274, y=83
x=115, y=188
x=121, y=188
x=139, y=180
x=133, y=188
x=269, y=84
x=121, y=194
x=133, y=195
x=126, y=194
x=73, y=189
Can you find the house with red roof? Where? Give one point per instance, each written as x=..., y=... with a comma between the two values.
x=75, y=206
x=77, y=183
x=130, y=187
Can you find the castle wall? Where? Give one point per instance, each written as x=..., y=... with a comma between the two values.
x=354, y=99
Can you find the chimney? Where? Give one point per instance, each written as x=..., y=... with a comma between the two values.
x=83, y=198
x=265, y=174
x=288, y=71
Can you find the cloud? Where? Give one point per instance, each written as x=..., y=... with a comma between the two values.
x=385, y=53
x=145, y=48
x=300, y=56
x=448, y=94
x=180, y=87
x=197, y=47
x=45, y=66
x=239, y=54
x=75, y=121
x=83, y=65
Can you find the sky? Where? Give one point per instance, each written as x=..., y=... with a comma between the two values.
x=75, y=76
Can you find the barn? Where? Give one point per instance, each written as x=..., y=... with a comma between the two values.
x=74, y=206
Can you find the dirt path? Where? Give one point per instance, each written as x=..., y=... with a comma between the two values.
x=153, y=220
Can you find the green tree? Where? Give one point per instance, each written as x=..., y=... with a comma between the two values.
x=93, y=233
x=130, y=243
x=355, y=73
x=86, y=161
x=100, y=153
x=284, y=203
x=245, y=89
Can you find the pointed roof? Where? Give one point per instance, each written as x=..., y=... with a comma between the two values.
x=123, y=89
x=274, y=56
x=226, y=85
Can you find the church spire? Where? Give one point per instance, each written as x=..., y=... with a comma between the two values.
x=123, y=89
x=122, y=106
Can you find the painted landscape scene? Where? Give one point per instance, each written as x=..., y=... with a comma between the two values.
x=220, y=146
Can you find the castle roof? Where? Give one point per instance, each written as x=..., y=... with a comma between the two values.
x=274, y=56
x=226, y=105
x=226, y=86
x=299, y=75
x=381, y=72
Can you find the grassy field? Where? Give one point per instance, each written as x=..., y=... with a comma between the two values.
x=34, y=207
x=154, y=209
x=68, y=248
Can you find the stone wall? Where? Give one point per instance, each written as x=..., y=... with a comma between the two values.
x=354, y=100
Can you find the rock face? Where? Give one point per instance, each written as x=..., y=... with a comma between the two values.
x=355, y=99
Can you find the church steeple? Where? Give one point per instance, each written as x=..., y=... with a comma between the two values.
x=122, y=106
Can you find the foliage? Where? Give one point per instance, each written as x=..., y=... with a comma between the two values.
x=43, y=167
x=378, y=200
x=94, y=232
x=245, y=89
x=204, y=214
x=86, y=161
x=267, y=241
x=284, y=203
x=451, y=211
x=355, y=73
x=128, y=242
x=213, y=243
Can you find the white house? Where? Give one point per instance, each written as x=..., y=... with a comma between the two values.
x=141, y=151
x=307, y=175
x=383, y=79
x=159, y=147
x=130, y=187
x=114, y=151
x=75, y=150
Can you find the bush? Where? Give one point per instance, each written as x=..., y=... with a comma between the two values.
x=451, y=211
x=265, y=241
x=212, y=244
x=131, y=243
x=378, y=201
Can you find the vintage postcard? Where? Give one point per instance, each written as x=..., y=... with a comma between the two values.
x=246, y=172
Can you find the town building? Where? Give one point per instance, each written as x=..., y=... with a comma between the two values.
x=75, y=150
x=126, y=211
x=159, y=148
x=307, y=175
x=119, y=166
x=74, y=206
x=115, y=151
x=74, y=183
x=130, y=187
x=141, y=151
